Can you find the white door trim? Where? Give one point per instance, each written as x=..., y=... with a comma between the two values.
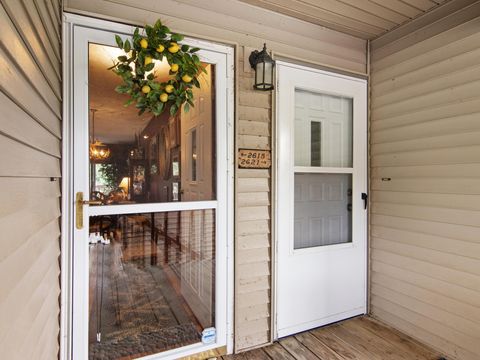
x=280, y=175
x=70, y=22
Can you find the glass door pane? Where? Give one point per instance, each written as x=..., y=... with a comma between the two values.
x=151, y=274
x=323, y=169
x=323, y=130
x=148, y=159
x=152, y=282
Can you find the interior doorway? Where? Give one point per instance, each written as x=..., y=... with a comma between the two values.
x=152, y=214
x=321, y=204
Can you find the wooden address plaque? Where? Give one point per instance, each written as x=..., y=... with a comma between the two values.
x=254, y=159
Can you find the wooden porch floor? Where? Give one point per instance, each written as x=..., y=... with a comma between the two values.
x=360, y=338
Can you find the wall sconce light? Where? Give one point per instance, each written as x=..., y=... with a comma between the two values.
x=263, y=65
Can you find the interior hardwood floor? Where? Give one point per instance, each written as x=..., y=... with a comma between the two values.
x=361, y=338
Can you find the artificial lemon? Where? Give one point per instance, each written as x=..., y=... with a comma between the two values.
x=164, y=97
x=173, y=47
x=144, y=43
x=186, y=78
x=160, y=48
x=174, y=67
x=145, y=89
x=148, y=60
x=169, y=88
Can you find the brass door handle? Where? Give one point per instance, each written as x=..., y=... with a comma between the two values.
x=79, y=202
x=92, y=202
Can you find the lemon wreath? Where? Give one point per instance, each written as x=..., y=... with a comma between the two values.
x=139, y=82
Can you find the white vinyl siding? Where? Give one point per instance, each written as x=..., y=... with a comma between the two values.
x=30, y=145
x=425, y=176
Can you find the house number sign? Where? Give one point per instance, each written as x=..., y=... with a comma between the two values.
x=254, y=159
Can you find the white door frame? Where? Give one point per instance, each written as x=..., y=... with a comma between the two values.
x=281, y=152
x=224, y=256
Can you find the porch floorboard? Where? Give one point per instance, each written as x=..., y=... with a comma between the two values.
x=361, y=338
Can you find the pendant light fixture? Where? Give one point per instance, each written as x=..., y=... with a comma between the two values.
x=98, y=151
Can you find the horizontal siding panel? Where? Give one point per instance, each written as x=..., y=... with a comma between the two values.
x=28, y=23
x=253, y=255
x=461, y=186
x=451, y=201
x=253, y=298
x=253, y=213
x=434, y=142
x=249, y=185
x=22, y=59
x=419, y=89
x=432, y=99
x=443, y=288
x=429, y=48
x=425, y=316
x=436, y=214
x=451, y=261
x=255, y=269
x=436, y=127
x=51, y=26
x=253, y=173
x=409, y=325
x=253, y=199
x=445, y=245
x=17, y=124
x=20, y=160
x=253, y=128
x=426, y=171
x=250, y=113
x=429, y=72
x=255, y=312
x=454, y=231
x=257, y=227
x=445, y=303
x=254, y=241
x=254, y=142
x=25, y=97
x=436, y=271
x=461, y=107
x=255, y=284
x=252, y=339
x=458, y=155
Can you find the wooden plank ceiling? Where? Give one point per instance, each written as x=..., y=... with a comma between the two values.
x=366, y=19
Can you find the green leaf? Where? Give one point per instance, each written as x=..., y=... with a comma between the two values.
x=119, y=41
x=122, y=58
x=177, y=37
x=149, y=67
x=186, y=107
x=173, y=110
x=193, y=50
x=184, y=48
x=127, y=46
x=136, y=32
x=196, y=59
x=128, y=102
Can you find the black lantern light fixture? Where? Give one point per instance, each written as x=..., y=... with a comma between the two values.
x=263, y=65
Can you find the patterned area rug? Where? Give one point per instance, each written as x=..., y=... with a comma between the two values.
x=145, y=343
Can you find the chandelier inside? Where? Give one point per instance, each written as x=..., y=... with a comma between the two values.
x=98, y=151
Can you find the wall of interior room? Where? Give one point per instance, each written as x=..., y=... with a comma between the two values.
x=425, y=169
x=285, y=36
x=30, y=145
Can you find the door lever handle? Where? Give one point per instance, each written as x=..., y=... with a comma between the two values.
x=365, y=200
x=79, y=202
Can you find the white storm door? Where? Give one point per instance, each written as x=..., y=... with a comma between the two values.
x=321, y=231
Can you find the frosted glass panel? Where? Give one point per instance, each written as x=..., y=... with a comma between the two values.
x=323, y=130
x=322, y=210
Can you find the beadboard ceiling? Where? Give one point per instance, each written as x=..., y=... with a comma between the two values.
x=366, y=19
